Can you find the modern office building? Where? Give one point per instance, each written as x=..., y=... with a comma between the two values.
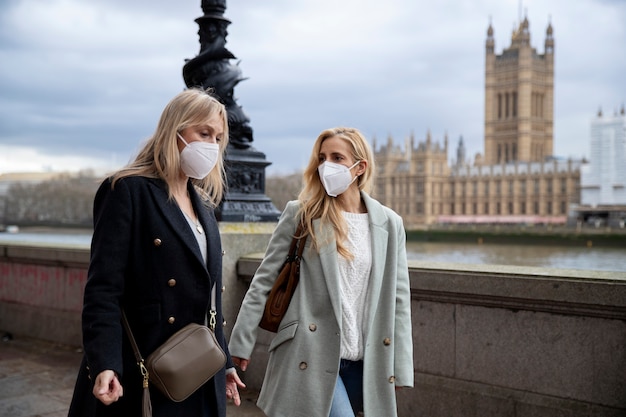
x=518, y=180
x=603, y=180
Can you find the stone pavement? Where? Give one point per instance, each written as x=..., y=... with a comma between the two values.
x=37, y=379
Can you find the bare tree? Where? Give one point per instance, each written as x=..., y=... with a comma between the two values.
x=65, y=200
x=284, y=188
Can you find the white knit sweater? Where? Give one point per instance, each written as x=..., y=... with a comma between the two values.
x=354, y=278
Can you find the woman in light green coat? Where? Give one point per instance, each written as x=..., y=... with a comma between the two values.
x=345, y=344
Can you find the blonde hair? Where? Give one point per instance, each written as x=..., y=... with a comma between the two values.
x=160, y=157
x=315, y=203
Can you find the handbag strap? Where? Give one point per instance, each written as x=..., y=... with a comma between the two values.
x=212, y=311
x=297, y=242
x=133, y=342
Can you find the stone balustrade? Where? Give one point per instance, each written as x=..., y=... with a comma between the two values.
x=488, y=340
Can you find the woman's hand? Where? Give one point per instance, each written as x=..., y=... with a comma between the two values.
x=107, y=387
x=233, y=383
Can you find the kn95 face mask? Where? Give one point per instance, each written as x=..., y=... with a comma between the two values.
x=336, y=178
x=198, y=158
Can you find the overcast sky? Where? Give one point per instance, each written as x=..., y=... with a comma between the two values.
x=82, y=83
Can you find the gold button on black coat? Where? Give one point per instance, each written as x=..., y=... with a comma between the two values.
x=387, y=341
x=171, y=282
x=157, y=242
x=171, y=320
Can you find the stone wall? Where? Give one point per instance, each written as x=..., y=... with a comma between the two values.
x=488, y=340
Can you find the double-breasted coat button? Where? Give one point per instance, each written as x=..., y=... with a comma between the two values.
x=386, y=341
x=171, y=320
x=171, y=282
x=223, y=288
x=157, y=242
x=392, y=379
x=303, y=366
x=312, y=327
x=223, y=252
x=224, y=323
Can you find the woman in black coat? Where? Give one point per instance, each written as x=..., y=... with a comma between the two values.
x=156, y=254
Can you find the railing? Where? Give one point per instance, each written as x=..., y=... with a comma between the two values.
x=488, y=340
x=510, y=341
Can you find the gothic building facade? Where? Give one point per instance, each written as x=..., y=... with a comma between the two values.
x=518, y=181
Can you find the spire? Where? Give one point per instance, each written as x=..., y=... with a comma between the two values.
x=490, y=43
x=549, y=37
x=460, y=153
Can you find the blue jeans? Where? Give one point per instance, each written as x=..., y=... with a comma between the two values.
x=348, y=396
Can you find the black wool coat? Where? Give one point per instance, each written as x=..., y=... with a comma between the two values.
x=146, y=260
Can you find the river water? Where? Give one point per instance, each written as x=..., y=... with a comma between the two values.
x=563, y=257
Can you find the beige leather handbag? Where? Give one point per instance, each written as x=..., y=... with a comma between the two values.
x=181, y=365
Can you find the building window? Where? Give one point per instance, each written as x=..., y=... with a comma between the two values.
x=549, y=186
x=563, y=207
x=486, y=189
x=510, y=187
x=486, y=208
x=536, y=207
x=506, y=105
x=522, y=187
x=474, y=208
x=475, y=188
x=536, y=187
x=498, y=208
x=522, y=208
x=549, y=207
x=499, y=106
x=514, y=104
x=498, y=190
x=510, y=206
x=451, y=208
x=563, y=185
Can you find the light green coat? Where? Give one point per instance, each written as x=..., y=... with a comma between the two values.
x=304, y=355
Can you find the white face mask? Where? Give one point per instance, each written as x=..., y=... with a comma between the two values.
x=198, y=158
x=336, y=178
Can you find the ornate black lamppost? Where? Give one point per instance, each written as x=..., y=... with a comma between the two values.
x=245, y=199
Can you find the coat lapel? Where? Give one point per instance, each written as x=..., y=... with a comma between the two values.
x=330, y=267
x=175, y=217
x=379, y=236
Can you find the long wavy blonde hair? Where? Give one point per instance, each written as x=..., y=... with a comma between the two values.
x=316, y=204
x=160, y=157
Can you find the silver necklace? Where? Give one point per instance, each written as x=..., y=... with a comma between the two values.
x=199, y=226
x=196, y=222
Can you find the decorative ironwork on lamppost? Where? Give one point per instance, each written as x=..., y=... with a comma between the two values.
x=245, y=199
